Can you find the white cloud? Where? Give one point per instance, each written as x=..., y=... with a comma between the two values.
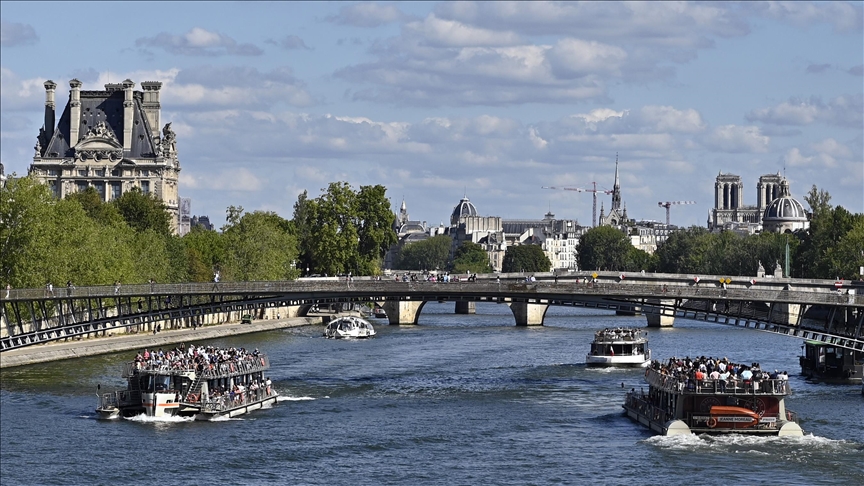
x=13, y=34
x=847, y=110
x=843, y=16
x=832, y=147
x=450, y=33
x=667, y=118
x=734, y=138
x=601, y=114
x=234, y=179
x=367, y=14
x=576, y=58
x=198, y=42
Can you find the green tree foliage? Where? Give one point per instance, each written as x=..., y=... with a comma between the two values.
x=342, y=230
x=95, y=207
x=820, y=253
x=258, y=246
x=205, y=254
x=603, y=248
x=525, y=258
x=374, y=228
x=429, y=254
x=143, y=211
x=638, y=260
x=471, y=258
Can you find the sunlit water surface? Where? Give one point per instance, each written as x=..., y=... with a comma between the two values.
x=455, y=400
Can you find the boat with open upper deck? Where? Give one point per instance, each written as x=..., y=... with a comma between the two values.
x=201, y=382
x=619, y=347
x=708, y=396
x=349, y=327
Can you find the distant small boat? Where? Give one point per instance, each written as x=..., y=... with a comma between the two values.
x=349, y=327
x=619, y=347
x=379, y=312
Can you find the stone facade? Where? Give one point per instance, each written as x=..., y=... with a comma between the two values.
x=109, y=140
x=730, y=212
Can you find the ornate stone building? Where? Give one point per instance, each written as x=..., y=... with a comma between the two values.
x=731, y=213
x=617, y=216
x=108, y=140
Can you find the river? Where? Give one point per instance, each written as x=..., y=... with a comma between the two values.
x=457, y=400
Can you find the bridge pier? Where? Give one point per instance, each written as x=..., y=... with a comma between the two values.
x=527, y=314
x=402, y=312
x=466, y=308
x=659, y=315
x=789, y=314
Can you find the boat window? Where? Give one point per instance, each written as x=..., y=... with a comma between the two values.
x=163, y=382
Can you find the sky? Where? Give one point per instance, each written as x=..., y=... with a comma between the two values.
x=438, y=101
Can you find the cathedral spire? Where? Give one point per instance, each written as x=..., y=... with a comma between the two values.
x=616, y=189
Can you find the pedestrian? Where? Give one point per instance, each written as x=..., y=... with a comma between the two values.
x=116, y=287
x=8, y=289
x=50, y=288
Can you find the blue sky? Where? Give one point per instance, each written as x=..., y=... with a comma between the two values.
x=492, y=100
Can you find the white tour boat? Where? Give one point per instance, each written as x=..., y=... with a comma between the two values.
x=204, y=383
x=349, y=327
x=619, y=347
x=682, y=399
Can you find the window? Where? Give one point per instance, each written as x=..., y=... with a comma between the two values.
x=82, y=172
x=55, y=189
x=52, y=172
x=145, y=187
x=116, y=190
x=82, y=186
x=117, y=172
x=145, y=173
x=100, y=189
x=100, y=172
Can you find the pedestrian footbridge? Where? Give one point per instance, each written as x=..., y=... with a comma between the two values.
x=805, y=309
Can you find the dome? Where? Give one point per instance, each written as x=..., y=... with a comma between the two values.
x=784, y=213
x=464, y=208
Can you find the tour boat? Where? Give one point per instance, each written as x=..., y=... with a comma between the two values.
x=190, y=385
x=349, y=327
x=828, y=363
x=619, y=347
x=677, y=403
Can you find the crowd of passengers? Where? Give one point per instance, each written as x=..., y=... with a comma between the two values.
x=222, y=397
x=209, y=359
x=718, y=374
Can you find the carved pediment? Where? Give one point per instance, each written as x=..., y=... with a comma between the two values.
x=99, y=143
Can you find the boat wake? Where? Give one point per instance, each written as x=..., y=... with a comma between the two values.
x=795, y=448
x=145, y=419
x=281, y=398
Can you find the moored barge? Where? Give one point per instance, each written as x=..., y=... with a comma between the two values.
x=678, y=403
x=203, y=383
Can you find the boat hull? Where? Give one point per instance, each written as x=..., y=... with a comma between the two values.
x=638, y=360
x=659, y=425
x=236, y=411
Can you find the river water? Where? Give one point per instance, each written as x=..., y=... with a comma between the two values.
x=456, y=400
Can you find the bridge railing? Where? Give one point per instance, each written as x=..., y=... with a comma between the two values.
x=623, y=288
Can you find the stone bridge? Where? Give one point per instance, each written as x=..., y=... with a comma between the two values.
x=33, y=316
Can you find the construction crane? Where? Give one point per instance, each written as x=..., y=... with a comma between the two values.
x=580, y=189
x=669, y=204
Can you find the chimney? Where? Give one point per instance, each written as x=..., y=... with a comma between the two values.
x=74, y=111
x=151, y=105
x=128, y=104
x=48, y=128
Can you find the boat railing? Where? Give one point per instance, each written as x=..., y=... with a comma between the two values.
x=738, y=386
x=644, y=407
x=225, y=368
x=108, y=400
x=221, y=403
x=236, y=368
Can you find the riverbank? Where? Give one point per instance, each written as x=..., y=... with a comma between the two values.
x=61, y=350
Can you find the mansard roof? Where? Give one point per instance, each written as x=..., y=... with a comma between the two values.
x=103, y=106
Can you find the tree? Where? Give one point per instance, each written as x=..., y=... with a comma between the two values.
x=205, y=253
x=471, y=258
x=95, y=207
x=374, y=228
x=143, y=211
x=638, y=260
x=603, y=248
x=429, y=254
x=525, y=258
x=258, y=246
